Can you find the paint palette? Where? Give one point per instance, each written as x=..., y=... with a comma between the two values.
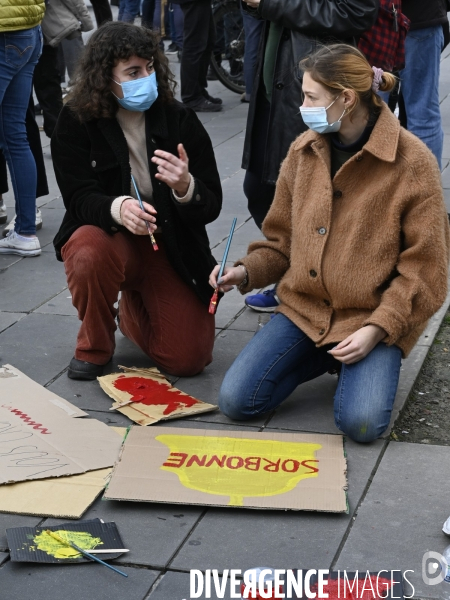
x=32, y=544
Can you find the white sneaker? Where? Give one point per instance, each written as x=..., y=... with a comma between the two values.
x=13, y=244
x=446, y=527
x=3, y=213
x=10, y=226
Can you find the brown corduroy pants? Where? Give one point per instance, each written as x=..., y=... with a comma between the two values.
x=158, y=311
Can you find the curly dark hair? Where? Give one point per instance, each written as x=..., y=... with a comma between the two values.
x=91, y=96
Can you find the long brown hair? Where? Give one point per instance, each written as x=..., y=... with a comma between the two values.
x=341, y=67
x=91, y=96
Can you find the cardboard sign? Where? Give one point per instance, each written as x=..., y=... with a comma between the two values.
x=223, y=468
x=38, y=438
x=61, y=497
x=146, y=397
x=32, y=544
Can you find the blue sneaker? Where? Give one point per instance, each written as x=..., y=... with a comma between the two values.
x=265, y=302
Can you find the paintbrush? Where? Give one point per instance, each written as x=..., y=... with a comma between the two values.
x=152, y=238
x=81, y=551
x=215, y=296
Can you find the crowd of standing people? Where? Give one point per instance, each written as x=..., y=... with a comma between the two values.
x=356, y=235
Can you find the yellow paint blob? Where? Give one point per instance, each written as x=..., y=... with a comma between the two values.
x=48, y=544
x=238, y=467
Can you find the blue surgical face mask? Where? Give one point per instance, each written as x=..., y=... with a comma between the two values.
x=138, y=94
x=316, y=118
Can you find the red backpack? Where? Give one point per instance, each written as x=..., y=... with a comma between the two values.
x=384, y=44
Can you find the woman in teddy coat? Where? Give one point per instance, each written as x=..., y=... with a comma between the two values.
x=358, y=239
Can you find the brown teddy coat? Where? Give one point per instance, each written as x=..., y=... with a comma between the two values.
x=370, y=246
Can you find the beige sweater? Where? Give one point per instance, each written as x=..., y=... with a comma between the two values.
x=371, y=246
x=132, y=124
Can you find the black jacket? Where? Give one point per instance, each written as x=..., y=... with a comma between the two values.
x=307, y=24
x=425, y=14
x=92, y=168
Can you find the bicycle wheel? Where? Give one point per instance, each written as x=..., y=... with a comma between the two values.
x=227, y=59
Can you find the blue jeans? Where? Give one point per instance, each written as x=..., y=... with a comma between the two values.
x=176, y=20
x=128, y=10
x=420, y=86
x=280, y=357
x=19, y=53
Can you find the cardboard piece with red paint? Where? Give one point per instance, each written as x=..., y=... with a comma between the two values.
x=145, y=396
x=39, y=438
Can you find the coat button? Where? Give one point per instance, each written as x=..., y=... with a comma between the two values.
x=153, y=141
x=313, y=273
x=322, y=231
x=327, y=302
x=279, y=86
x=194, y=282
x=322, y=331
x=359, y=157
x=93, y=163
x=198, y=197
x=337, y=194
x=114, y=229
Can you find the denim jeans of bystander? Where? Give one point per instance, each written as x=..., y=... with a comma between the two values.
x=19, y=53
x=280, y=357
x=128, y=10
x=420, y=86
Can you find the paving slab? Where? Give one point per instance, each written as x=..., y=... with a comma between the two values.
x=9, y=318
x=446, y=148
x=111, y=418
x=206, y=385
x=39, y=355
x=408, y=374
x=402, y=514
x=173, y=586
x=241, y=539
x=241, y=240
x=54, y=202
x=152, y=532
x=72, y=582
x=6, y=260
x=309, y=407
x=8, y=520
x=51, y=221
x=88, y=395
x=61, y=304
x=30, y=282
x=230, y=305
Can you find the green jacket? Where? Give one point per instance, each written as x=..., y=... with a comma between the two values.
x=20, y=14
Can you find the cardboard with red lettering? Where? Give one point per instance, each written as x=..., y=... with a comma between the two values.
x=62, y=497
x=145, y=396
x=296, y=471
x=39, y=437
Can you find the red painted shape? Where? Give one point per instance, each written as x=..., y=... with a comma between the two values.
x=151, y=393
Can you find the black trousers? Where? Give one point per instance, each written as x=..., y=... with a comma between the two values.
x=102, y=11
x=46, y=81
x=198, y=43
x=34, y=140
x=259, y=194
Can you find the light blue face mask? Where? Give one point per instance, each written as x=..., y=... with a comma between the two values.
x=139, y=94
x=316, y=118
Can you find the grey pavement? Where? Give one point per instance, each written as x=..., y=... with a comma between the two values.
x=398, y=493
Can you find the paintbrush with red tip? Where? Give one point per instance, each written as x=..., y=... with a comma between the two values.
x=215, y=296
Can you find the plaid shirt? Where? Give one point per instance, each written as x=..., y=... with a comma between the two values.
x=384, y=44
